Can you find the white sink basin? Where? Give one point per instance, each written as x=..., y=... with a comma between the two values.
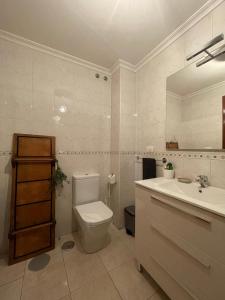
x=210, y=198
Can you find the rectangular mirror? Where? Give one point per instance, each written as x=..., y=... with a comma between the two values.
x=195, y=114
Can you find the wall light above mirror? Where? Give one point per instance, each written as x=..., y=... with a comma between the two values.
x=195, y=117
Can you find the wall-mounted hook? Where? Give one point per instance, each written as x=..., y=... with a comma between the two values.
x=164, y=160
x=97, y=75
x=105, y=78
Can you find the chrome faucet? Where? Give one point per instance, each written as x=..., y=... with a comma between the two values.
x=203, y=180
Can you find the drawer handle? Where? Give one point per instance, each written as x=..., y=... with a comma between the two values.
x=192, y=251
x=185, y=211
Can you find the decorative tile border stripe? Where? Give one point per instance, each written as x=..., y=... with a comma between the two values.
x=185, y=154
x=5, y=153
x=157, y=155
x=83, y=153
x=8, y=153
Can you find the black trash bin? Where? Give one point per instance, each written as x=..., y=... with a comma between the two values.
x=129, y=214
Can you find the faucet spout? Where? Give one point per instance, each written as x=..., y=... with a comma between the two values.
x=203, y=181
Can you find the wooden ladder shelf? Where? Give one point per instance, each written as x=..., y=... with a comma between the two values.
x=32, y=213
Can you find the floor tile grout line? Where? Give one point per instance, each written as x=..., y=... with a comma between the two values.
x=96, y=254
x=21, y=292
x=125, y=262
x=115, y=285
x=24, y=272
x=67, y=278
x=14, y=280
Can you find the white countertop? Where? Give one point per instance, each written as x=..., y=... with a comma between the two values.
x=211, y=199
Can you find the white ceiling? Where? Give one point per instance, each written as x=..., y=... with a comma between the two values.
x=100, y=31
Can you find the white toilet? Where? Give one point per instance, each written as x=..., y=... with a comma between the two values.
x=93, y=216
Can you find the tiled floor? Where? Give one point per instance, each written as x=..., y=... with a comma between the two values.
x=110, y=274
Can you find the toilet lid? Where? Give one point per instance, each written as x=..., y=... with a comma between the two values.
x=94, y=213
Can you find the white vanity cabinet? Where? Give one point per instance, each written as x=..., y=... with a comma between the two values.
x=181, y=246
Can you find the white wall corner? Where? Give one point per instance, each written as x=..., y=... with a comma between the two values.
x=189, y=23
x=48, y=50
x=120, y=63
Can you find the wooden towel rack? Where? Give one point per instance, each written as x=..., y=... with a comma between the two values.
x=32, y=212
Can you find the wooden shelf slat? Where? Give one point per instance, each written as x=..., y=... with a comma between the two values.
x=15, y=232
x=33, y=159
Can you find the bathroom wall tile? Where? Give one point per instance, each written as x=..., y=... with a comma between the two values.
x=127, y=196
x=128, y=133
x=11, y=290
x=194, y=167
x=151, y=97
x=115, y=111
x=198, y=35
x=42, y=105
x=18, y=59
x=15, y=103
x=218, y=20
x=128, y=91
x=178, y=166
x=5, y=199
x=101, y=288
x=42, y=94
x=12, y=79
x=64, y=211
x=175, y=52
x=217, y=176
x=131, y=284
x=115, y=189
x=46, y=72
x=28, y=77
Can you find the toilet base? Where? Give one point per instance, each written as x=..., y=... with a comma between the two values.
x=94, y=238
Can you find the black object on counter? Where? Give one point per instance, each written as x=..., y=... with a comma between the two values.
x=149, y=168
x=129, y=213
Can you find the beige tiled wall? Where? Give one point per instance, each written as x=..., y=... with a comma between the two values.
x=115, y=144
x=151, y=97
x=123, y=139
x=34, y=86
x=193, y=166
x=34, y=90
x=151, y=79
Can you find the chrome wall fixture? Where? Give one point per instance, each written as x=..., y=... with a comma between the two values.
x=97, y=75
x=210, y=55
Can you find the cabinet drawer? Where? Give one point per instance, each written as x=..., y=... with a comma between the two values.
x=202, y=277
x=32, y=171
x=32, y=240
x=33, y=214
x=198, y=227
x=34, y=146
x=30, y=192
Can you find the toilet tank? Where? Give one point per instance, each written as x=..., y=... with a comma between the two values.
x=85, y=188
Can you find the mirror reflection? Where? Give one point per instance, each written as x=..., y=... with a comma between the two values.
x=196, y=107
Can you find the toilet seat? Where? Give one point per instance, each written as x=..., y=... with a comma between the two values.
x=94, y=213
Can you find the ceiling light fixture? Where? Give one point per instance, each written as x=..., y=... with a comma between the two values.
x=210, y=55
